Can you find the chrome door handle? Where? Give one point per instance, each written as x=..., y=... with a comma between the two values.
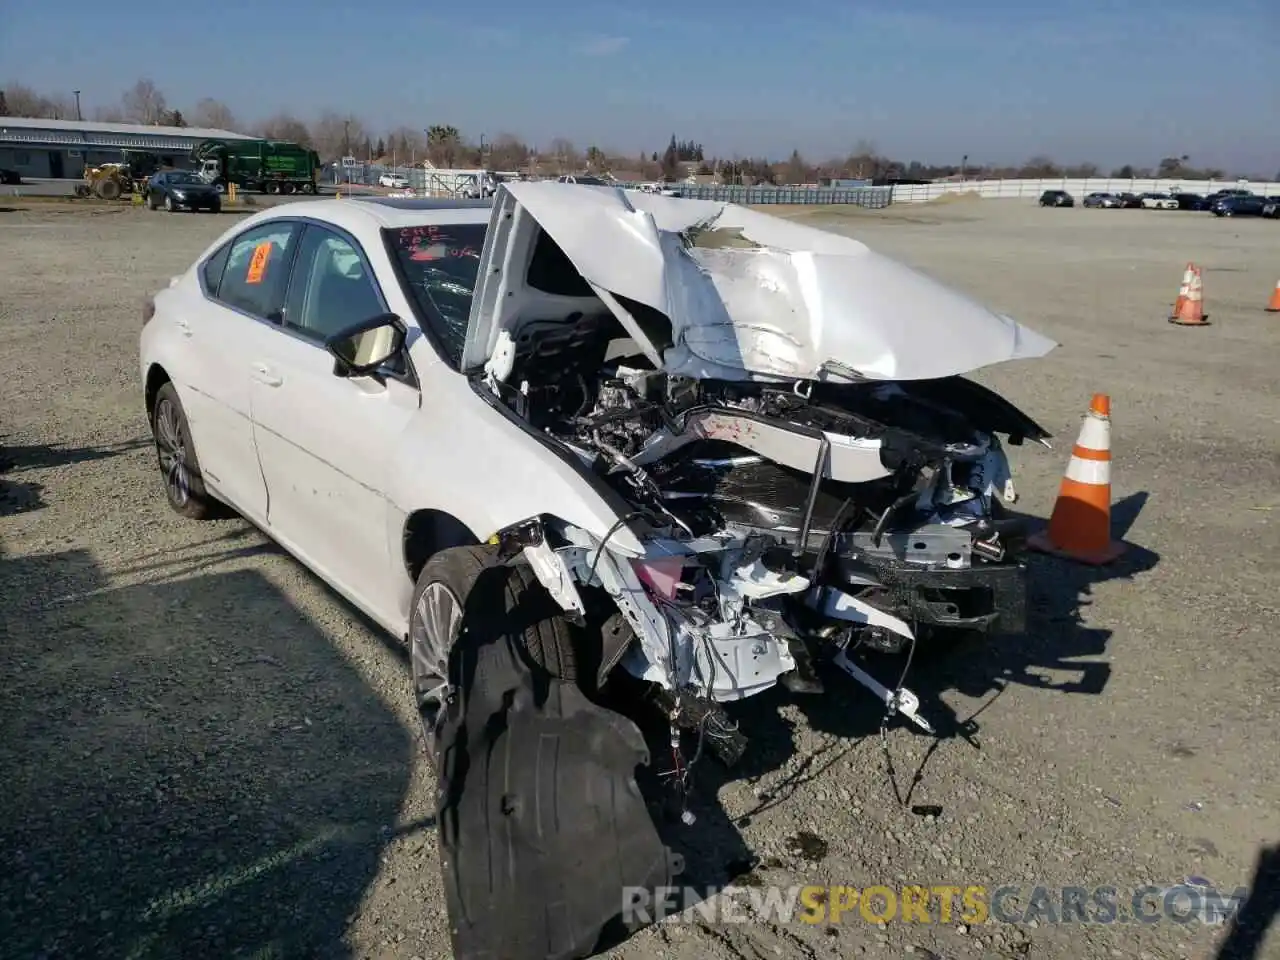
x=262, y=373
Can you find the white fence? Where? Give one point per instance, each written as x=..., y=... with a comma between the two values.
x=1031, y=189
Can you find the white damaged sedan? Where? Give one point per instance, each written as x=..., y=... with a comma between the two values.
x=574, y=434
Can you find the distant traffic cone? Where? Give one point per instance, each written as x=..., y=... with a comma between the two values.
x=1183, y=291
x=1274, y=305
x=1080, y=527
x=1190, y=313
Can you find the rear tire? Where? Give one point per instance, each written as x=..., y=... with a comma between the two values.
x=273, y=188
x=184, y=487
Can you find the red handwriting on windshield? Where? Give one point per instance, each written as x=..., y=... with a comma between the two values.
x=432, y=243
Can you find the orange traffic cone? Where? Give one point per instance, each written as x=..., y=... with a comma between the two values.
x=1183, y=291
x=1190, y=312
x=1274, y=305
x=1080, y=527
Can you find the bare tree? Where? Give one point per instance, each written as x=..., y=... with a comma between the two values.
x=22, y=101
x=285, y=126
x=144, y=103
x=408, y=144
x=335, y=135
x=213, y=114
x=563, y=154
x=508, y=152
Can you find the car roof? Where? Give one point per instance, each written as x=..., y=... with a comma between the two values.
x=383, y=212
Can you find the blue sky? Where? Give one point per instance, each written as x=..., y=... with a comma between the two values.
x=925, y=79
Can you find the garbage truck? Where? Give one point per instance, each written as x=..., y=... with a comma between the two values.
x=268, y=166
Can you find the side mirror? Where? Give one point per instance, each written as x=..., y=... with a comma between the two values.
x=364, y=347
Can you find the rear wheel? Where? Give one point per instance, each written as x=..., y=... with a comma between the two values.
x=183, y=484
x=273, y=187
x=531, y=773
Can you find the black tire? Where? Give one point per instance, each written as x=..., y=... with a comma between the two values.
x=183, y=483
x=441, y=608
x=151, y=200
x=533, y=775
x=168, y=204
x=309, y=188
x=215, y=207
x=273, y=187
x=286, y=188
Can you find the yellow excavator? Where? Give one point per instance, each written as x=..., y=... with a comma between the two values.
x=107, y=181
x=111, y=181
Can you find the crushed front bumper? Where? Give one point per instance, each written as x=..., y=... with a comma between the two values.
x=987, y=596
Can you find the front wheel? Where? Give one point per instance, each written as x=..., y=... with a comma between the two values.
x=168, y=203
x=531, y=773
x=183, y=483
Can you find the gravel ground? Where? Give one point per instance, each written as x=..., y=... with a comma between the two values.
x=206, y=753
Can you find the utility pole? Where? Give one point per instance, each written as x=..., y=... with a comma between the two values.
x=79, y=116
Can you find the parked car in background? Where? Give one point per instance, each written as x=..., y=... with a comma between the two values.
x=1236, y=205
x=10, y=177
x=181, y=190
x=1217, y=195
x=582, y=179
x=1057, y=198
x=1191, y=201
x=1102, y=200
x=1158, y=201
x=394, y=180
x=1129, y=201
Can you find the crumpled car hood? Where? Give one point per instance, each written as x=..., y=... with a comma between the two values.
x=754, y=296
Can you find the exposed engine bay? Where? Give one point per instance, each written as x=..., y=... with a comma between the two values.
x=782, y=522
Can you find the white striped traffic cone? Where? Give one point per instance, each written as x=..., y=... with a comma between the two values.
x=1080, y=527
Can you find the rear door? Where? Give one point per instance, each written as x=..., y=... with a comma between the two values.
x=243, y=284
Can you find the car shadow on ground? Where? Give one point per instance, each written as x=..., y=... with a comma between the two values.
x=191, y=769
x=1056, y=641
x=24, y=496
x=1248, y=928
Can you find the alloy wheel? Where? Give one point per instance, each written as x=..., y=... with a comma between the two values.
x=433, y=628
x=171, y=449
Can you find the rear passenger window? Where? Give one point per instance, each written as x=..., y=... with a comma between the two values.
x=257, y=270
x=211, y=273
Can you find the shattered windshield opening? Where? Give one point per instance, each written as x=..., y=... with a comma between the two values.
x=439, y=264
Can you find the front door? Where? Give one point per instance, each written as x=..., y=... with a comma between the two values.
x=325, y=441
x=55, y=165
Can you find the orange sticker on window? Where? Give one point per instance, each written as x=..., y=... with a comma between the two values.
x=258, y=262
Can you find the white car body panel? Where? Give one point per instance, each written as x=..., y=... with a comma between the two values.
x=797, y=303
x=332, y=467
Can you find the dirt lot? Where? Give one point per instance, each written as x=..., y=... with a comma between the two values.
x=205, y=753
